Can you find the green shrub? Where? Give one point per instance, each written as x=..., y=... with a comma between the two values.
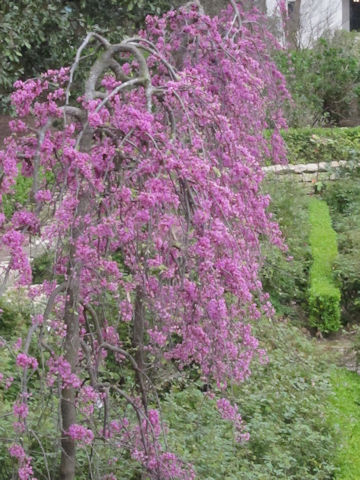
x=15, y=311
x=323, y=80
x=324, y=296
x=22, y=191
x=343, y=198
x=59, y=26
x=312, y=145
x=284, y=275
x=41, y=267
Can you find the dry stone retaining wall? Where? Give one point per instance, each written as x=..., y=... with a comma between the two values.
x=309, y=172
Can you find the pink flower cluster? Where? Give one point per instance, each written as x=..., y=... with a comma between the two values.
x=25, y=361
x=59, y=367
x=230, y=412
x=25, y=470
x=81, y=434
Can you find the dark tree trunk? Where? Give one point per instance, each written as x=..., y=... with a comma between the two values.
x=67, y=403
x=72, y=338
x=294, y=25
x=138, y=343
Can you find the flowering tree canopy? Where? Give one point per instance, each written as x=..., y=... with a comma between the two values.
x=146, y=191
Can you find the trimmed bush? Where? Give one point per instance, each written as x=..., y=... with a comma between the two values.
x=312, y=145
x=343, y=198
x=324, y=296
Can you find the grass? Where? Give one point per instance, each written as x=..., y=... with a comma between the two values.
x=344, y=416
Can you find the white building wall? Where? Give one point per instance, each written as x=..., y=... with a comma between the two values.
x=317, y=16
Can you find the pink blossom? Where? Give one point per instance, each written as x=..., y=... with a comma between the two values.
x=17, y=451
x=81, y=434
x=24, y=361
x=43, y=196
x=21, y=410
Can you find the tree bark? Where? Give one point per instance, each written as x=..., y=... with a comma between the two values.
x=67, y=403
x=138, y=343
x=72, y=338
x=294, y=25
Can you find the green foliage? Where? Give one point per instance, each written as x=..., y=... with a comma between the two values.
x=343, y=197
x=324, y=296
x=20, y=196
x=38, y=34
x=306, y=107
x=284, y=275
x=312, y=145
x=324, y=80
x=41, y=267
x=343, y=414
x=356, y=349
x=14, y=314
x=324, y=305
x=283, y=409
x=112, y=15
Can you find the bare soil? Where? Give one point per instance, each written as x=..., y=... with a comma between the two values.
x=340, y=346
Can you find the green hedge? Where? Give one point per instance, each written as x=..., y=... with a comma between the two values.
x=312, y=145
x=324, y=296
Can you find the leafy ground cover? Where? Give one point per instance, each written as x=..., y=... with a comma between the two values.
x=283, y=406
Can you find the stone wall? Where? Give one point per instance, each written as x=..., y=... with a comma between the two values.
x=310, y=173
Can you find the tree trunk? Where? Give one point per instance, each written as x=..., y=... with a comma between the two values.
x=294, y=26
x=138, y=343
x=72, y=339
x=67, y=403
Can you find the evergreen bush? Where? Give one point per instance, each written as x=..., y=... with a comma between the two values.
x=324, y=296
x=343, y=198
x=312, y=145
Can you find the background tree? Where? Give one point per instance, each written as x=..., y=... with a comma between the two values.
x=38, y=35
x=323, y=80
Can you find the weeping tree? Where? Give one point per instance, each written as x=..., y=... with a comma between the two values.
x=145, y=190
